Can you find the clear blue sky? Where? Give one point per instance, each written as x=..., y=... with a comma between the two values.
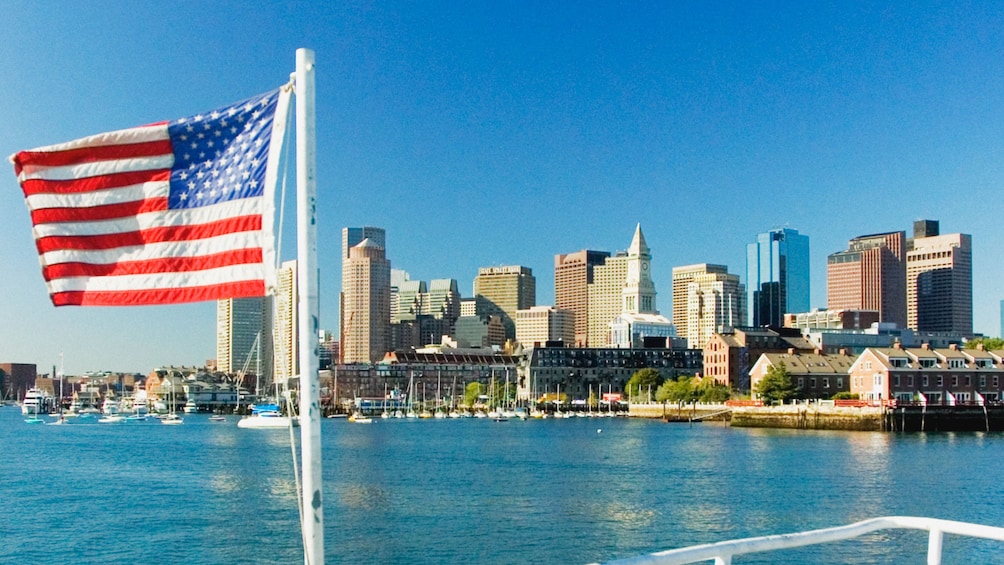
x=488, y=133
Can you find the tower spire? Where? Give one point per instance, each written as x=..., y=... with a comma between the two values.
x=638, y=245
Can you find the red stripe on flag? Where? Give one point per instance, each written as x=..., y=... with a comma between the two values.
x=98, y=213
x=238, y=289
x=91, y=154
x=32, y=187
x=154, y=266
x=153, y=235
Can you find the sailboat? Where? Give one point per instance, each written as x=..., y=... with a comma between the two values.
x=268, y=416
x=60, y=420
x=411, y=398
x=172, y=419
x=385, y=414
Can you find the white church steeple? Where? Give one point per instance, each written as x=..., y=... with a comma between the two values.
x=639, y=291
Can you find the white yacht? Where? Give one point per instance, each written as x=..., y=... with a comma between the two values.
x=110, y=406
x=36, y=401
x=267, y=416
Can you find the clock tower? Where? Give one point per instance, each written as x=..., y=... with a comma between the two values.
x=639, y=291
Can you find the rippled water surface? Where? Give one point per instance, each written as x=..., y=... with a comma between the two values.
x=478, y=491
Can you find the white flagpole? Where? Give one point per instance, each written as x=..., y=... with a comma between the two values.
x=306, y=260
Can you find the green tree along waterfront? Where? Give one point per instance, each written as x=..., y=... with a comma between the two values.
x=687, y=388
x=641, y=382
x=472, y=392
x=775, y=387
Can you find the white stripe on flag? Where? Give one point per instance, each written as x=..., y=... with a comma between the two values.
x=142, y=191
x=150, y=251
x=98, y=168
x=191, y=216
x=128, y=283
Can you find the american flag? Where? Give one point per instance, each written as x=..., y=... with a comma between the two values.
x=178, y=211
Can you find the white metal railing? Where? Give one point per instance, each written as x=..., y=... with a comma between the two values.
x=722, y=552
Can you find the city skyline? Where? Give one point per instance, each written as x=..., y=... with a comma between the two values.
x=483, y=135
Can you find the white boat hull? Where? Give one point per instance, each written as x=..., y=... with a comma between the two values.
x=266, y=422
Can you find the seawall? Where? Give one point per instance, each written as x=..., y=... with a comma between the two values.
x=811, y=417
x=799, y=416
x=829, y=417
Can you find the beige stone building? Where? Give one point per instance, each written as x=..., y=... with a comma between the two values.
x=365, y=304
x=244, y=335
x=606, y=298
x=939, y=281
x=504, y=291
x=541, y=324
x=286, y=327
x=706, y=299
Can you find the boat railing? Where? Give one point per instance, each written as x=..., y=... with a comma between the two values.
x=722, y=552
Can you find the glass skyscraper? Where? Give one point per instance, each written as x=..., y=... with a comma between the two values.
x=777, y=276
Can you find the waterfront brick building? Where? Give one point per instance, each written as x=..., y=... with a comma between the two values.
x=581, y=371
x=728, y=356
x=929, y=375
x=444, y=373
x=814, y=375
x=16, y=379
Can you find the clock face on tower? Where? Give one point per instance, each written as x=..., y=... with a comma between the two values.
x=644, y=266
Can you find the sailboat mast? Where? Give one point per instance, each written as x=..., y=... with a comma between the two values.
x=312, y=520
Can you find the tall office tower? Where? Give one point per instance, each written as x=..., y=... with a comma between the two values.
x=365, y=304
x=573, y=273
x=939, y=281
x=352, y=237
x=870, y=275
x=244, y=335
x=410, y=295
x=428, y=311
x=606, y=298
x=506, y=290
x=286, y=327
x=397, y=278
x=682, y=276
x=777, y=276
x=443, y=300
x=713, y=301
x=638, y=293
x=540, y=324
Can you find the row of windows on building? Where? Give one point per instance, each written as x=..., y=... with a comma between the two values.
x=910, y=381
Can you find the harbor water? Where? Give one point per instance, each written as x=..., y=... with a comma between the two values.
x=575, y=490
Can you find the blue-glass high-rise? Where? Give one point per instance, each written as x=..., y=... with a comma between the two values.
x=777, y=276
